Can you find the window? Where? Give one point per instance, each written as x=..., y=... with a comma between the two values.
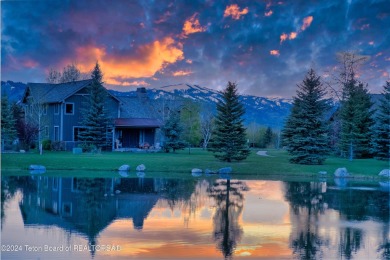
x=56, y=109
x=46, y=132
x=44, y=109
x=56, y=133
x=76, y=133
x=69, y=108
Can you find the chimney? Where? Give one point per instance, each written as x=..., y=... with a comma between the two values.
x=141, y=93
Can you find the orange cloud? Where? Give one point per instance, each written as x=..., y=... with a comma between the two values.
x=192, y=25
x=181, y=73
x=234, y=11
x=145, y=61
x=292, y=36
x=269, y=13
x=371, y=43
x=306, y=22
x=283, y=37
x=385, y=74
x=112, y=81
x=189, y=61
x=274, y=52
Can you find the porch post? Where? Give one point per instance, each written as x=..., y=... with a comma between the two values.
x=113, y=139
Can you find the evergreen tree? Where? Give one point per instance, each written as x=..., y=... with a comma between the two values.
x=172, y=130
x=356, y=120
x=8, y=130
x=381, y=133
x=229, y=140
x=95, y=117
x=305, y=133
x=267, y=139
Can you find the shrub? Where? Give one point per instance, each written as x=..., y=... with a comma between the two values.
x=46, y=144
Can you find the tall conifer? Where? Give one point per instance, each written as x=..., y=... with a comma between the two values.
x=305, y=132
x=229, y=139
x=356, y=120
x=95, y=118
x=381, y=133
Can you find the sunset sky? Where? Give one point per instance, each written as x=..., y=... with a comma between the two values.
x=264, y=46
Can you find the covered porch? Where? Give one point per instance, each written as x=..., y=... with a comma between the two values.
x=135, y=133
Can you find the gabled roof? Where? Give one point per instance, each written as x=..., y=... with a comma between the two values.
x=53, y=93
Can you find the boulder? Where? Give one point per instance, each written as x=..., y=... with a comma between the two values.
x=341, y=172
x=385, y=173
x=225, y=170
x=196, y=170
x=77, y=150
x=35, y=167
x=140, y=168
x=124, y=168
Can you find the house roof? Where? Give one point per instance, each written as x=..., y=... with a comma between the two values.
x=53, y=93
x=136, y=107
x=137, y=122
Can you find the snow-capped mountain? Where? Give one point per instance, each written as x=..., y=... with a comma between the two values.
x=260, y=110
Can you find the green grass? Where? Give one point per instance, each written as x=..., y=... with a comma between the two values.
x=181, y=163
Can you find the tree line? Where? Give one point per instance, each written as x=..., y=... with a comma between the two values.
x=326, y=117
x=352, y=128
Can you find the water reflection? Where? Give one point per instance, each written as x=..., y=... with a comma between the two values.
x=229, y=200
x=202, y=218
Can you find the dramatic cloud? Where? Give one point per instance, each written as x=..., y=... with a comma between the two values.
x=306, y=22
x=275, y=52
x=145, y=61
x=234, y=11
x=181, y=73
x=192, y=25
x=269, y=13
x=266, y=47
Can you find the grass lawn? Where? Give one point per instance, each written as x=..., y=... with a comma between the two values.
x=181, y=163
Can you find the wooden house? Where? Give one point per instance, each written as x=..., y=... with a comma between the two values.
x=57, y=109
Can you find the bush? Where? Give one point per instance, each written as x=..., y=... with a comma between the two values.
x=46, y=145
x=58, y=146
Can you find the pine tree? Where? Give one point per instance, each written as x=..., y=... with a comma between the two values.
x=305, y=132
x=172, y=131
x=230, y=138
x=267, y=139
x=356, y=120
x=8, y=129
x=381, y=133
x=95, y=118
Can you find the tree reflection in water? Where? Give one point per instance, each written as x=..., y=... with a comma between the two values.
x=307, y=203
x=229, y=199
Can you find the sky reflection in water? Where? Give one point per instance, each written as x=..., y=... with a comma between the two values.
x=193, y=218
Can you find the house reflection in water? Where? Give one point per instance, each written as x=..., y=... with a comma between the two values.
x=88, y=205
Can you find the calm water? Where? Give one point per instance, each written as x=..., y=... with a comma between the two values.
x=200, y=218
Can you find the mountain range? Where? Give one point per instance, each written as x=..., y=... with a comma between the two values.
x=260, y=110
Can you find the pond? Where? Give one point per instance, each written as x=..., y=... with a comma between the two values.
x=137, y=217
